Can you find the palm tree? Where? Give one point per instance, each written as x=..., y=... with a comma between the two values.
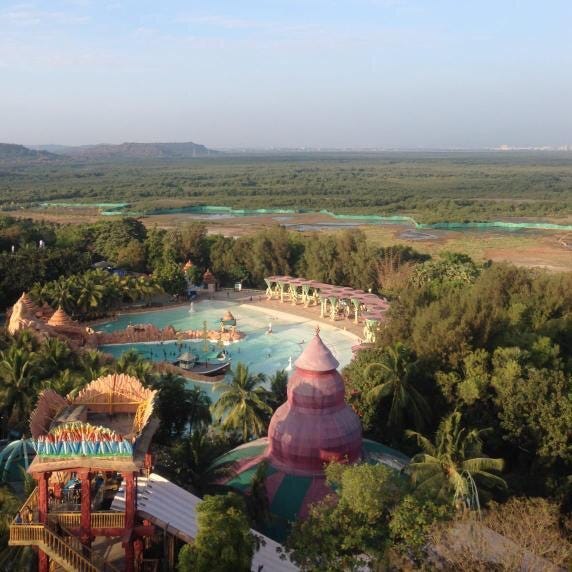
x=58, y=293
x=90, y=293
x=454, y=463
x=18, y=375
x=65, y=382
x=242, y=404
x=55, y=354
x=199, y=404
x=257, y=501
x=25, y=340
x=278, y=389
x=192, y=462
x=133, y=364
x=395, y=371
x=92, y=364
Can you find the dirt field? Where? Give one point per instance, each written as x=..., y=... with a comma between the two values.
x=533, y=248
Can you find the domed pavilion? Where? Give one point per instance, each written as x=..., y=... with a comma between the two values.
x=314, y=427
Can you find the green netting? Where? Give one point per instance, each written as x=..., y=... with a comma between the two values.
x=119, y=208
x=88, y=205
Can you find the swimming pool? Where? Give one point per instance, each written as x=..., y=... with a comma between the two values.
x=261, y=352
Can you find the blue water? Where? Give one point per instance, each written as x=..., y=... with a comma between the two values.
x=261, y=352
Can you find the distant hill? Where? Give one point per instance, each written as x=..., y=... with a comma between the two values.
x=18, y=153
x=132, y=151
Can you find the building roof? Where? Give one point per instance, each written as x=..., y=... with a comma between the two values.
x=60, y=319
x=314, y=426
x=108, y=425
x=317, y=357
x=173, y=509
x=290, y=495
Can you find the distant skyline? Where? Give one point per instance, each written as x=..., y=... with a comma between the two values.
x=287, y=73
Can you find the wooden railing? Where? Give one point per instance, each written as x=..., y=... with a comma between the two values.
x=32, y=500
x=108, y=519
x=54, y=546
x=67, y=551
x=102, y=519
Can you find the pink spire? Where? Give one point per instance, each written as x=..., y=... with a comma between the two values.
x=315, y=425
x=316, y=356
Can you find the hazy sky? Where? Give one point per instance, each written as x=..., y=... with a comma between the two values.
x=245, y=73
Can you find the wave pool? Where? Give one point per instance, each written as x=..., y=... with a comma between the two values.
x=261, y=352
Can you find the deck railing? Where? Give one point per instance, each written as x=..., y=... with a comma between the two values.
x=101, y=519
x=53, y=545
x=67, y=550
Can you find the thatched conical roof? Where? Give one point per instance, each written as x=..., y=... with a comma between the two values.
x=61, y=320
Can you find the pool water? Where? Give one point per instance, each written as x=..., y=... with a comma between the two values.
x=261, y=352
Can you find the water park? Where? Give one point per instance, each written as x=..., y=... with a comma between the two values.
x=201, y=340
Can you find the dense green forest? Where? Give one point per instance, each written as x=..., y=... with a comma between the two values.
x=432, y=187
x=471, y=376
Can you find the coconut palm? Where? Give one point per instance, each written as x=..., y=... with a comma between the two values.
x=19, y=373
x=25, y=340
x=394, y=373
x=133, y=364
x=199, y=412
x=65, y=382
x=55, y=354
x=242, y=404
x=453, y=465
x=278, y=389
x=90, y=293
x=193, y=462
x=58, y=293
x=92, y=364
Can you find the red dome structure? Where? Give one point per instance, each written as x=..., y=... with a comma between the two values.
x=315, y=426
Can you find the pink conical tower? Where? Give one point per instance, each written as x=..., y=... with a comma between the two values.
x=315, y=425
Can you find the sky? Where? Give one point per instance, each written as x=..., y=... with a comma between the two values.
x=287, y=73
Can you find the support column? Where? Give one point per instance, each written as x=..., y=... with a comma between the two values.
x=129, y=479
x=43, y=508
x=85, y=519
x=43, y=562
x=43, y=497
x=130, y=505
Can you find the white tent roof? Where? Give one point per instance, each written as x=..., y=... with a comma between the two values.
x=171, y=508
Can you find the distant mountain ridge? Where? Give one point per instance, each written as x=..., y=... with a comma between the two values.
x=104, y=151
x=15, y=153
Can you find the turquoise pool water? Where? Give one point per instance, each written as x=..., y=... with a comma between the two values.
x=259, y=351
